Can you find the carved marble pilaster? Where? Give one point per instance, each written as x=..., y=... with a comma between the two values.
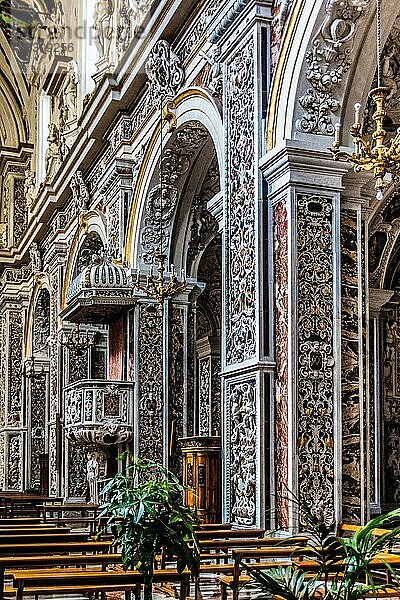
x=244, y=341
x=304, y=196
x=149, y=415
x=209, y=361
x=357, y=418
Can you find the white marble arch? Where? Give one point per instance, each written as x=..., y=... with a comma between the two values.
x=192, y=105
x=290, y=82
x=90, y=222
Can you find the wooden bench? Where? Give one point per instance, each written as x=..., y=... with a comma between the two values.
x=236, y=580
x=65, y=560
x=57, y=535
x=66, y=581
x=23, y=521
x=61, y=547
x=45, y=531
x=227, y=534
x=349, y=528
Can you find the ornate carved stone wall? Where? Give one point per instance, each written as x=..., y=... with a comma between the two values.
x=391, y=404
x=20, y=219
x=77, y=484
x=351, y=363
x=38, y=401
x=281, y=270
x=328, y=60
x=177, y=386
x=14, y=463
x=241, y=206
x=15, y=338
x=150, y=353
x=242, y=432
x=315, y=353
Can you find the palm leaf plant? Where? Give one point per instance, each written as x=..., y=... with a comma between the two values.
x=344, y=568
x=147, y=517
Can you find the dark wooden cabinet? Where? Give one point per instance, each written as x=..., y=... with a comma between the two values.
x=202, y=476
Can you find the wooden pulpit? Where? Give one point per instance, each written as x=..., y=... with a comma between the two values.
x=202, y=476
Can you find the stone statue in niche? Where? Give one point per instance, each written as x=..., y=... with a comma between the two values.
x=214, y=81
x=53, y=156
x=30, y=187
x=70, y=92
x=36, y=259
x=92, y=475
x=103, y=13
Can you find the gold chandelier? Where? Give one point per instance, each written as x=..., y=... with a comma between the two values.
x=77, y=341
x=163, y=284
x=378, y=154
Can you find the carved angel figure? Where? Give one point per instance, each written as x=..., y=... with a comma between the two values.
x=70, y=91
x=92, y=476
x=53, y=156
x=103, y=12
x=30, y=187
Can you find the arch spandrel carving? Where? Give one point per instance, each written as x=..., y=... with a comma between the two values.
x=192, y=106
x=309, y=95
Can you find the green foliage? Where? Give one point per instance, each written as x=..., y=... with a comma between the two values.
x=147, y=517
x=351, y=578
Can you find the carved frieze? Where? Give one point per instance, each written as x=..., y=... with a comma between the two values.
x=315, y=353
x=241, y=207
x=328, y=60
x=243, y=452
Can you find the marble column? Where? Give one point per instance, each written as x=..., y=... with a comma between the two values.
x=304, y=191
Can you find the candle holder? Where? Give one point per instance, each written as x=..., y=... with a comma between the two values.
x=162, y=285
x=377, y=154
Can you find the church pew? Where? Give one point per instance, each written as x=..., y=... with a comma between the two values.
x=68, y=581
x=17, y=531
x=229, y=533
x=52, y=560
x=60, y=547
x=21, y=521
x=57, y=535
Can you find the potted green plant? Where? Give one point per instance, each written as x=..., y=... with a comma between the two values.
x=147, y=517
x=354, y=579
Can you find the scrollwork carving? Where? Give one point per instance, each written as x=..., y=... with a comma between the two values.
x=150, y=383
x=159, y=212
x=328, y=60
x=243, y=452
x=164, y=70
x=241, y=208
x=315, y=353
